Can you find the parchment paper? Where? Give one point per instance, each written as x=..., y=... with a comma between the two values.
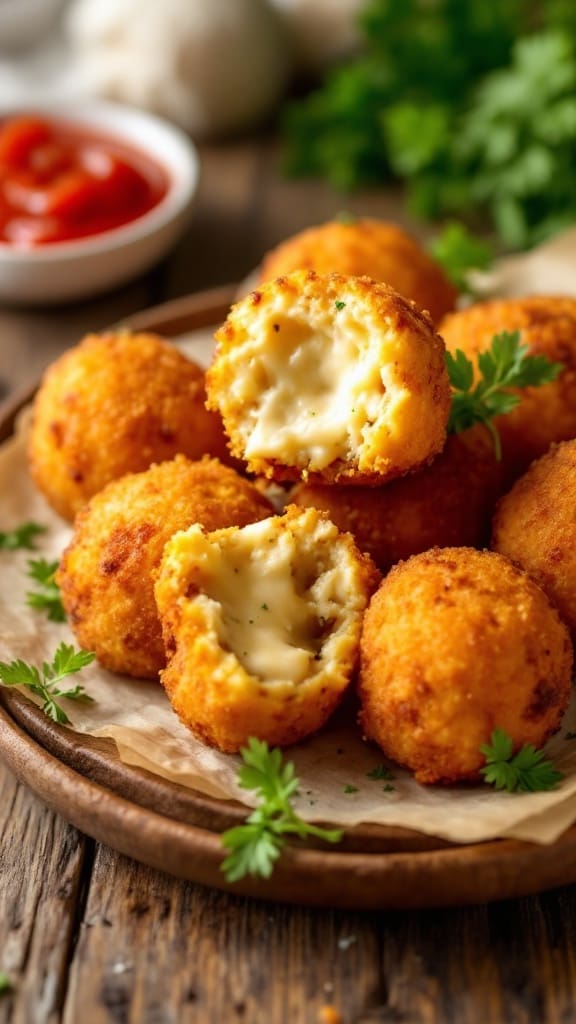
x=138, y=717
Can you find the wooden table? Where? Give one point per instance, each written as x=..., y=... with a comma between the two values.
x=88, y=936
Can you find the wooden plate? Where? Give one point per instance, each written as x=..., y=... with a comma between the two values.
x=178, y=830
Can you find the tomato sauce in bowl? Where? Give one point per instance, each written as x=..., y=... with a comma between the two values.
x=60, y=181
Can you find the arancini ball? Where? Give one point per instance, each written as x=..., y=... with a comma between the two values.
x=336, y=379
x=112, y=405
x=262, y=626
x=105, y=575
x=447, y=504
x=535, y=526
x=366, y=247
x=455, y=644
x=548, y=328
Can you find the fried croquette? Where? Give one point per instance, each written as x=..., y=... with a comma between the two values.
x=105, y=575
x=112, y=405
x=330, y=378
x=370, y=248
x=548, y=327
x=456, y=643
x=535, y=526
x=448, y=504
x=261, y=626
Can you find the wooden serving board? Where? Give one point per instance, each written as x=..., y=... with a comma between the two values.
x=177, y=830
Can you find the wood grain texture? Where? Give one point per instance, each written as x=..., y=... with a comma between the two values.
x=42, y=866
x=165, y=952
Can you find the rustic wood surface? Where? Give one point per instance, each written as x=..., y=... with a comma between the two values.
x=90, y=937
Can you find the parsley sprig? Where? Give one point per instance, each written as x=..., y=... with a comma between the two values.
x=470, y=103
x=256, y=845
x=47, y=598
x=525, y=772
x=45, y=683
x=458, y=251
x=506, y=364
x=22, y=536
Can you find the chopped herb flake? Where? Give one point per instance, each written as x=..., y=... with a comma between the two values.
x=380, y=772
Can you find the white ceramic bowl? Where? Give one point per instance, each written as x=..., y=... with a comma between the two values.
x=62, y=271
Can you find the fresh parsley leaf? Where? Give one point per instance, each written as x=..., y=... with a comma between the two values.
x=339, y=304
x=458, y=252
x=47, y=598
x=506, y=364
x=525, y=772
x=45, y=682
x=23, y=536
x=256, y=845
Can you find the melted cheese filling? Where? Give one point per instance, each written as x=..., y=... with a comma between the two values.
x=266, y=612
x=322, y=391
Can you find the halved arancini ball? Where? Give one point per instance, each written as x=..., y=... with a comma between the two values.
x=112, y=405
x=106, y=572
x=548, y=327
x=447, y=504
x=330, y=378
x=361, y=247
x=262, y=626
x=535, y=526
x=456, y=643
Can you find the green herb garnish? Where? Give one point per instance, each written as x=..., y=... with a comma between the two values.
x=472, y=104
x=23, y=536
x=45, y=682
x=506, y=364
x=458, y=252
x=525, y=772
x=381, y=771
x=5, y=983
x=349, y=788
x=339, y=304
x=48, y=598
x=256, y=845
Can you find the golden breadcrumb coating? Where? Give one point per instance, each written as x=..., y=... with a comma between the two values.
x=548, y=328
x=105, y=575
x=371, y=248
x=535, y=526
x=330, y=378
x=262, y=626
x=456, y=643
x=112, y=405
x=449, y=503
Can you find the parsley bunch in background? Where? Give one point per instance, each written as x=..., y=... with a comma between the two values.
x=472, y=104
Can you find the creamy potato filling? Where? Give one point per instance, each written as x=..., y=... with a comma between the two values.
x=319, y=391
x=271, y=603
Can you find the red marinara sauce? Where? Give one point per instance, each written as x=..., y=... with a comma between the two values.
x=61, y=181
